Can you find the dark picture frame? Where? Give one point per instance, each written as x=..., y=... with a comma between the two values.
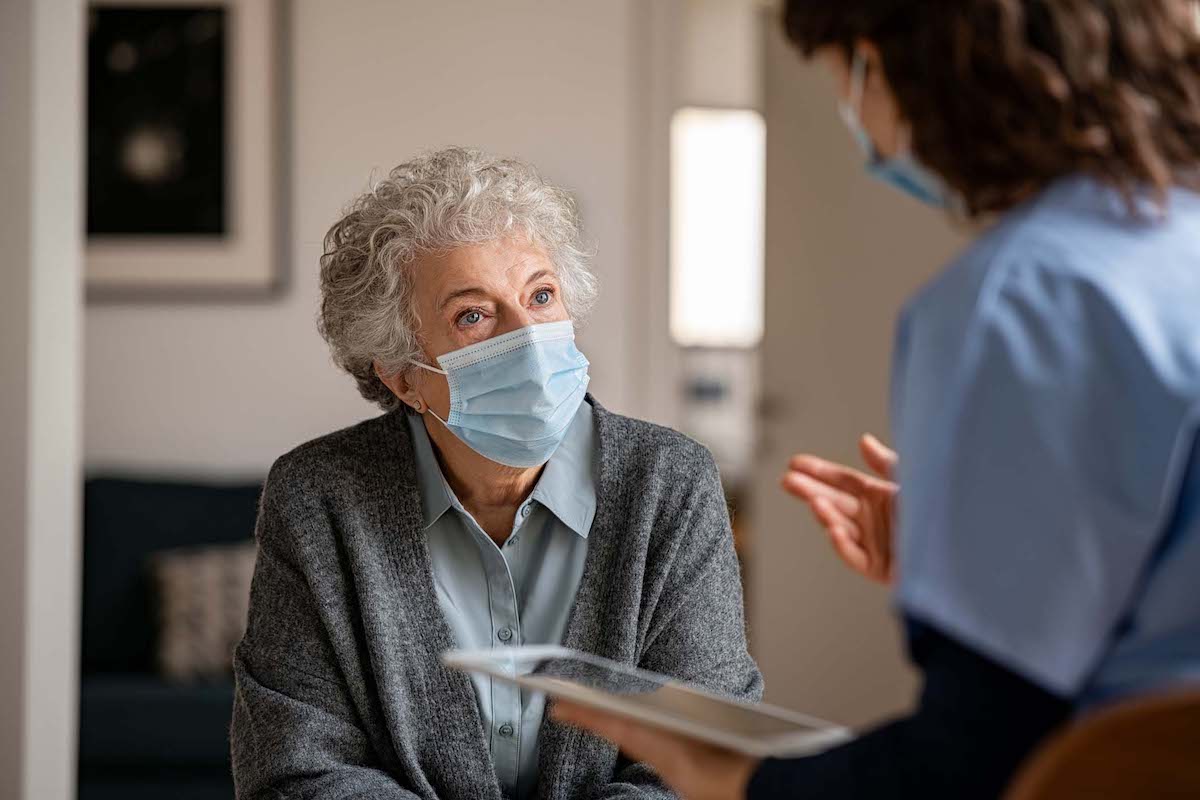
x=186, y=154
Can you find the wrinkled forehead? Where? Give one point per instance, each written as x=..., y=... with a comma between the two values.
x=501, y=268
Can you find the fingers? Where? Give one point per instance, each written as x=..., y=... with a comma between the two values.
x=861, y=548
x=809, y=489
x=836, y=475
x=843, y=535
x=879, y=457
x=831, y=518
x=830, y=515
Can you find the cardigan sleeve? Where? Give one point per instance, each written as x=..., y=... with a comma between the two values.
x=294, y=732
x=698, y=631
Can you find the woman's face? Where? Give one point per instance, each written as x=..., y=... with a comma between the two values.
x=477, y=293
x=878, y=111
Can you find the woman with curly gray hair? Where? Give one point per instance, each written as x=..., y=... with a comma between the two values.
x=495, y=503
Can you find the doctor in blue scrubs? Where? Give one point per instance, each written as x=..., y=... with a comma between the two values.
x=1040, y=517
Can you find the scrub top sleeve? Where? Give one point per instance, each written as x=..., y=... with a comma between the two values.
x=1031, y=495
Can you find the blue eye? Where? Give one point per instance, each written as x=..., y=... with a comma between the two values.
x=470, y=318
x=542, y=297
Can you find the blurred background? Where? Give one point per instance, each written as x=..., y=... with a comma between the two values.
x=170, y=169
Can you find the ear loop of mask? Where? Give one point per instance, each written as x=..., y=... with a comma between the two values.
x=431, y=369
x=858, y=84
x=436, y=371
x=852, y=109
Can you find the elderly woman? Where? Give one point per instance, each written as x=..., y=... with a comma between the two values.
x=495, y=503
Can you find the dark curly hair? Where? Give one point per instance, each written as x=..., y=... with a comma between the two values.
x=1005, y=96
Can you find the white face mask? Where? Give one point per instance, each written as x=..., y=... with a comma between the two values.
x=513, y=397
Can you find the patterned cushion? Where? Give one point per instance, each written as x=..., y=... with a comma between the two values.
x=203, y=595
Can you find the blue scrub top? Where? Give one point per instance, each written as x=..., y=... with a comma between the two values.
x=1046, y=404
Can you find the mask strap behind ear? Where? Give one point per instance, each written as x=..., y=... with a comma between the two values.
x=858, y=82
x=438, y=372
x=431, y=369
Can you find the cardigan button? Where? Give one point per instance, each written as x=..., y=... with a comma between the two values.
x=504, y=634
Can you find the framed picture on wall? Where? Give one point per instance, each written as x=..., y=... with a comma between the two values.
x=185, y=152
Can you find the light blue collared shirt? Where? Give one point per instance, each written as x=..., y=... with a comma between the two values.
x=521, y=593
x=1046, y=404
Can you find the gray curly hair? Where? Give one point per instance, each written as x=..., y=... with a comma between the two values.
x=437, y=202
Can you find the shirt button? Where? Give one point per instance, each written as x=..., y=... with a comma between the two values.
x=512, y=541
x=506, y=730
x=525, y=511
x=504, y=634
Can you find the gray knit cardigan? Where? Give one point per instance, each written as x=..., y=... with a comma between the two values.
x=340, y=692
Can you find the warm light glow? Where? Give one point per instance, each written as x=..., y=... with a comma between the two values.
x=718, y=165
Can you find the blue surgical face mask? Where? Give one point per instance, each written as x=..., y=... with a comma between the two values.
x=513, y=397
x=902, y=170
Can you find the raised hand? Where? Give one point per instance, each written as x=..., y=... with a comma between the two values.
x=855, y=508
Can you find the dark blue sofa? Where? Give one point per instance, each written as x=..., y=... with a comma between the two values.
x=140, y=736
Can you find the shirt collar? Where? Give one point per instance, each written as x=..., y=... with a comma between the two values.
x=567, y=486
x=568, y=483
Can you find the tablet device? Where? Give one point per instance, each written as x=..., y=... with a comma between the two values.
x=653, y=699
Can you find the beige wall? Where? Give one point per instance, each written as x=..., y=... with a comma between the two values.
x=720, y=54
x=843, y=252
x=203, y=388
x=40, y=169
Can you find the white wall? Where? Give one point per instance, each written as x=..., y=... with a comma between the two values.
x=210, y=389
x=40, y=309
